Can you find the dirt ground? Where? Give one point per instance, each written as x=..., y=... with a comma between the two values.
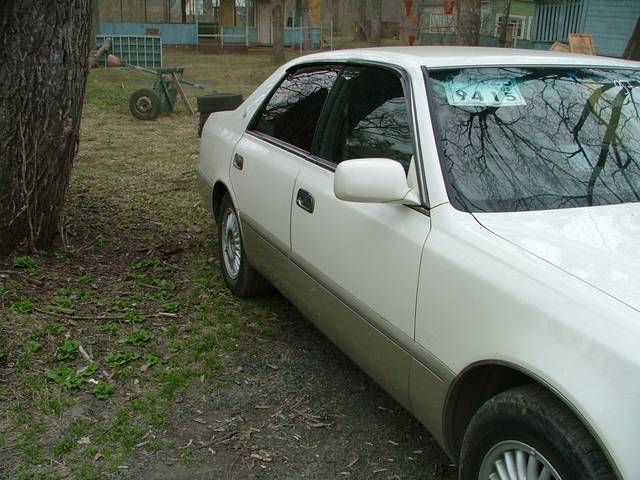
x=122, y=354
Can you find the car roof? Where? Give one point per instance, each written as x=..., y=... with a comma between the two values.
x=442, y=57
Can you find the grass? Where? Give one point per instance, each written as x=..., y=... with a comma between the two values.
x=84, y=352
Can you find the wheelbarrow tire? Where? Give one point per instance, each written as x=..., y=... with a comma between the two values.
x=218, y=102
x=144, y=104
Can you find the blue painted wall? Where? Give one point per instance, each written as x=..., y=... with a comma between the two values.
x=611, y=22
x=294, y=36
x=171, y=33
x=186, y=33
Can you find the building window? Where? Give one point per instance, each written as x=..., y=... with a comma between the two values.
x=244, y=13
x=516, y=22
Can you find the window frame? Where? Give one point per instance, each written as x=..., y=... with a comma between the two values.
x=250, y=129
x=412, y=116
x=517, y=19
x=326, y=113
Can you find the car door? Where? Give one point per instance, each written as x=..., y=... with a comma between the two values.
x=367, y=255
x=268, y=158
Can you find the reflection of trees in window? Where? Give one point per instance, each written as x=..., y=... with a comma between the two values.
x=576, y=142
x=383, y=133
x=367, y=118
x=293, y=111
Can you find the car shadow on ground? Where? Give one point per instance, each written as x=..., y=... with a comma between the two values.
x=295, y=407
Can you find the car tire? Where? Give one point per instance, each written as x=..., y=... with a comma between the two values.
x=241, y=278
x=144, y=104
x=528, y=424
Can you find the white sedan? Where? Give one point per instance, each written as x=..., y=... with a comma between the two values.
x=465, y=224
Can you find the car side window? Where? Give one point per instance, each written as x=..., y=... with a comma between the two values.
x=366, y=117
x=292, y=112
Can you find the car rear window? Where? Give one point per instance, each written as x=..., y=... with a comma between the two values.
x=292, y=112
x=517, y=139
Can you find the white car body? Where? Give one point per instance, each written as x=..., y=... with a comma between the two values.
x=441, y=298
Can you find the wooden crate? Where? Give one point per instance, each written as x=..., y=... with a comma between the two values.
x=582, y=43
x=560, y=47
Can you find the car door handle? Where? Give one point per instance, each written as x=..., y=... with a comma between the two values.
x=238, y=161
x=305, y=200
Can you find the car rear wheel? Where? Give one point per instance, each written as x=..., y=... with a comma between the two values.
x=526, y=433
x=238, y=274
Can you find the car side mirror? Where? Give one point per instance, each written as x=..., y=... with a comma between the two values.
x=373, y=180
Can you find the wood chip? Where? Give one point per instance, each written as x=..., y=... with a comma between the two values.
x=317, y=424
x=84, y=441
x=353, y=462
x=84, y=353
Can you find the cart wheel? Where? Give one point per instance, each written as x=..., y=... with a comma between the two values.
x=144, y=104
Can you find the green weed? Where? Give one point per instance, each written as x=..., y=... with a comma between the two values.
x=103, y=390
x=32, y=346
x=67, y=377
x=25, y=262
x=139, y=338
x=67, y=350
x=116, y=359
x=171, y=307
x=110, y=328
x=25, y=305
x=63, y=302
x=85, y=278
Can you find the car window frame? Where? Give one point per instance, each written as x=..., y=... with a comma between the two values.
x=250, y=129
x=324, y=125
x=409, y=94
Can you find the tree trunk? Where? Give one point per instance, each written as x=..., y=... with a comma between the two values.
x=632, y=52
x=360, y=20
x=504, y=22
x=44, y=52
x=468, y=22
x=376, y=22
x=95, y=23
x=306, y=24
x=207, y=11
x=277, y=20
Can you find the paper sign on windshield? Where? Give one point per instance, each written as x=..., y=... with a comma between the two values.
x=498, y=92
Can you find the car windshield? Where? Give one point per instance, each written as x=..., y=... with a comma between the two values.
x=517, y=139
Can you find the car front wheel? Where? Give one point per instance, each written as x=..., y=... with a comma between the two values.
x=526, y=433
x=238, y=274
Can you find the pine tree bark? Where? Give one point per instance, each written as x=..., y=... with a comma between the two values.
x=277, y=21
x=469, y=13
x=44, y=59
